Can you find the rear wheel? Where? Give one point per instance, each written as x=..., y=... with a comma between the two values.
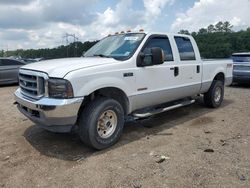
x=101, y=123
x=214, y=97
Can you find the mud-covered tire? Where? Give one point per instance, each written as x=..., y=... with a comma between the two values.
x=214, y=97
x=93, y=117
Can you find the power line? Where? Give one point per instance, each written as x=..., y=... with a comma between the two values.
x=67, y=36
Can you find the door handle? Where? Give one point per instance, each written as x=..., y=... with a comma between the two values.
x=176, y=70
x=198, y=69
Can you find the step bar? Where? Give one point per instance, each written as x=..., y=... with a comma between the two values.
x=160, y=110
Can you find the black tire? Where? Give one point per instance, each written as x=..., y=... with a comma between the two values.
x=89, y=119
x=210, y=98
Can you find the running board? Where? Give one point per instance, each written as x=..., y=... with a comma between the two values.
x=160, y=110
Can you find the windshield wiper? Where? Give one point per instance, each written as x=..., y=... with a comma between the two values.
x=101, y=55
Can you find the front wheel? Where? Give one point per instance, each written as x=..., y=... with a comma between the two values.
x=214, y=97
x=101, y=123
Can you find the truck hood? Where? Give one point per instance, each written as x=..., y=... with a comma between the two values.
x=60, y=67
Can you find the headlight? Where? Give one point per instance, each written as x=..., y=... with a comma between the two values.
x=60, y=89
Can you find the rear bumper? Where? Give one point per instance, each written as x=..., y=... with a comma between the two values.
x=56, y=115
x=241, y=74
x=241, y=78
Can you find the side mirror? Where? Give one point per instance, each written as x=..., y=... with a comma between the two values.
x=156, y=57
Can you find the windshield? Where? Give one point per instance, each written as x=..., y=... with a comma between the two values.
x=116, y=46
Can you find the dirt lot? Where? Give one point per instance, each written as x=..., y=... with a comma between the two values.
x=32, y=157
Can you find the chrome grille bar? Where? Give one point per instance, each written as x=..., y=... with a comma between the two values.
x=32, y=83
x=25, y=78
x=27, y=87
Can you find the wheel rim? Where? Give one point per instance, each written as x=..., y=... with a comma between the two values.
x=217, y=94
x=107, y=123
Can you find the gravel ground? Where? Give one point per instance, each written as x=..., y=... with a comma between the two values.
x=32, y=157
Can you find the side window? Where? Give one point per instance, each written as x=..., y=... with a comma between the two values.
x=241, y=58
x=185, y=48
x=7, y=62
x=3, y=62
x=161, y=42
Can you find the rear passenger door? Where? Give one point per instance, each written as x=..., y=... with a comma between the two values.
x=189, y=65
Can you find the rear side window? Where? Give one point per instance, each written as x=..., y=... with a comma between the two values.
x=161, y=42
x=185, y=48
x=241, y=58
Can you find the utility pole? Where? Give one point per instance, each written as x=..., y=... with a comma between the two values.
x=67, y=36
x=7, y=49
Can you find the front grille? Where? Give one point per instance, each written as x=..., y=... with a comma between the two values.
x=31, y=85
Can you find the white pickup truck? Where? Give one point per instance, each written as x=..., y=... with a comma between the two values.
x=133, y=74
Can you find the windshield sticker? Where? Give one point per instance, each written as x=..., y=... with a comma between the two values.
x=127, y=53
x=131, y=38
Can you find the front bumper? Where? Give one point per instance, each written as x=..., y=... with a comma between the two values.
x=56, y=115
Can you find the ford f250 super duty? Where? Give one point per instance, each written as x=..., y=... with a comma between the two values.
x=133, y=74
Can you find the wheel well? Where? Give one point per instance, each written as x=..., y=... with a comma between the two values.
x=220, y=76
x=110, y=92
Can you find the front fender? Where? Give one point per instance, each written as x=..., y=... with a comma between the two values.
x=103, y=82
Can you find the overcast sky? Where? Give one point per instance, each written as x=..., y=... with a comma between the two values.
x=42, y=23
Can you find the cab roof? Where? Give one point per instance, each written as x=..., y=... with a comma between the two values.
x=154, y=33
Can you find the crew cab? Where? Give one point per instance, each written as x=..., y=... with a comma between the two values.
x=133, y=74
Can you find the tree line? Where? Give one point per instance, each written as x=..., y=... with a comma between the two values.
x=220, y=41
x=74, y=49
x=214, y=41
